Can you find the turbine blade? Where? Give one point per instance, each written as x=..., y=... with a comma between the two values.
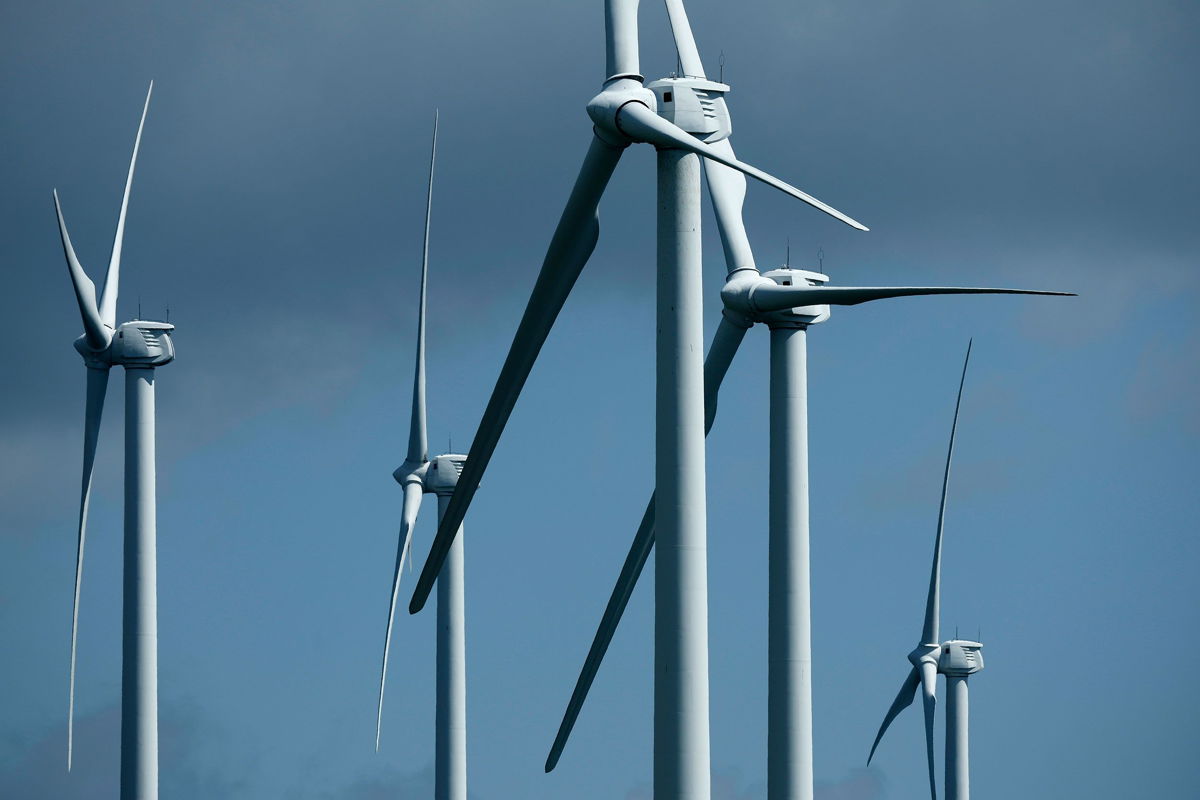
x=929, y=701
x=725, y=344
x=108, y=298
x=727, y=191
x=621, y=38
x=418, y=438
x=773, y=297
x=572, y=245
x=643, y=543
x=643, y=125
x=903, y=700
x=933, y=601
x=413, y=493
x=685, y=43
x=98, y=336
x=97, y=386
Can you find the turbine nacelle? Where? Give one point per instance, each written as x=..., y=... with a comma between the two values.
x=443, y=473
x=739, y=290
x=960, y=657
x=140, y=343
x=696, y=105
x=799, y=315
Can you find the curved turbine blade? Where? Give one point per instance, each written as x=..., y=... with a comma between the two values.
x=108, y=298
x=572, y=245
x=408, y=516
x=725, y=344
x=903, y=700
x=641, y=124
x=726, y=186
x=685, y=43
x=929, y=633
x=727, y=191
x=929, y=701
x=98, y=336
x=418, y=438
x=639, y=551
x=621, y=38
x=97, y=386
x=773, y=297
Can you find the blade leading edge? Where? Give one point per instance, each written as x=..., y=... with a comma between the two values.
x=97, y=386
x=108, y=297
x=930, y=633
x=418, y=437
x=643, y=125
x=413, y=492
x=98, y=336
x=904, y=698
x=929, y=702
x=724, y=346
x=570, y=248
x=773, y=297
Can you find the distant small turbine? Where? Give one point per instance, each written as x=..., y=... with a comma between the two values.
x=956, y=659
x=418, y=475
x=139, y=346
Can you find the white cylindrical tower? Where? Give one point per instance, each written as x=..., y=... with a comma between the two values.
x=789, y=641
x=958, y=772
x=139, y=674
x=681, y=738
x=450, y=777
x=957, y=660
x=789, y=627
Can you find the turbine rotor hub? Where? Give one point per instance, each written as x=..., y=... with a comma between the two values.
x=924, y=654
x=605, y=107
x=410, y=472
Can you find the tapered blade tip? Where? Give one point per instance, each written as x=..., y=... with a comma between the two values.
x=416, y=604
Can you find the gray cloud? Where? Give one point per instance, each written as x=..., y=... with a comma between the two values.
x=36, y=770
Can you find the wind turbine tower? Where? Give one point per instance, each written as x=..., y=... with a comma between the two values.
x=140, y=346
x=960, y=659
x=956, y=659
x=788, y=301
x=624, y=113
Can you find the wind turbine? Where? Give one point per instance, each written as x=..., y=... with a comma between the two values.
x=956, y=659
x=420, y=475
x=623, y=113
x=788, y=301
x=139, y=346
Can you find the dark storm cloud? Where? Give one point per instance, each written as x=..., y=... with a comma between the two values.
x=277, y=211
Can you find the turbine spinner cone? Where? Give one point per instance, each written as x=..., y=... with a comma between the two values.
x=410, y=472
x=924, y=654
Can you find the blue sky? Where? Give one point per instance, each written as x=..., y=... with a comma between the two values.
x=277, y=211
